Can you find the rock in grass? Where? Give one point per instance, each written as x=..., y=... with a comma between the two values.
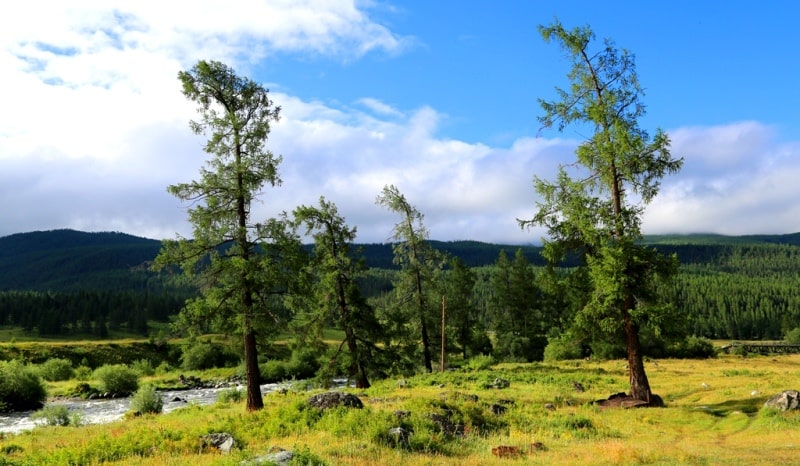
x=280, y=458
x=501, y=383
x=785, y=401
x=222, y=441
x=333, y=399
x=399, y=436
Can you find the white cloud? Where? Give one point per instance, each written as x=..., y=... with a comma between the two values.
x=737, y=179
x=94, y=128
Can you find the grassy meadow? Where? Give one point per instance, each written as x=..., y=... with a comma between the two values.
x=713, y=416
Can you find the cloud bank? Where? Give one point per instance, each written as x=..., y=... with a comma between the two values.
x=95, y=128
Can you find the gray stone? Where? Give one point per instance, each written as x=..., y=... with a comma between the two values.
x=334, y=399
x=399, y=436
x=222, y=441
x=279, y=458
x=785, y=401
x=501, y=383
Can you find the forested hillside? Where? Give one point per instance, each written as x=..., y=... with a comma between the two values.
x=76, y=282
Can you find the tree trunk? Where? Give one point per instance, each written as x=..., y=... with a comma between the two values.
x=640, y=386
x=356, y=368
x=255, y=401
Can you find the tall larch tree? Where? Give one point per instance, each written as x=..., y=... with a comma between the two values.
x=595, y=205
x=417, y=261
x=335, y=269
x=233, y=259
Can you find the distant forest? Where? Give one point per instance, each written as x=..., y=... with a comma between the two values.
x=73, y=283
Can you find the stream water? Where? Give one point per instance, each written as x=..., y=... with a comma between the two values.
x=100, y=411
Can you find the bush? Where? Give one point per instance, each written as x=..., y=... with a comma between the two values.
x=58, y=415
x=272, y=371
x=163, y=368
x=147, y=400
x=83, y=373
x=479, y=363
x=118, y=379
x=605, y=350
x=562, y=348
x=793, y=335
x=303, y=365
x=201, y=356
x=693, y=348
x=230, y=395
x=21, y=388
x=143, y=367
x=54, y=370
x=517, y=348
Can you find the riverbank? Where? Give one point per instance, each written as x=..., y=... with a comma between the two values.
x=713, y=415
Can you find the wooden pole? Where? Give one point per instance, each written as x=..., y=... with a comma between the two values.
x=444, y=327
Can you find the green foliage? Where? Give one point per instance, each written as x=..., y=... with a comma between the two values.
x=511, y=347
x=562, y=348
x=303, y=456
x=163, y=368
x=692, y=348
x=54, y=370
x=83, y=373
x=21, y=388
x=303, y=365
x=230, y=395
x=479, y=362
x=272, y=371
x=203, y=355
x=117, y=379
x=58, y=415
x=146, y=400
x=793, y=335
x=143, y=367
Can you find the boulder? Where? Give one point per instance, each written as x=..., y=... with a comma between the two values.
x=334, y=399
x=785, y=401
x=222, y=441
x=280, y=457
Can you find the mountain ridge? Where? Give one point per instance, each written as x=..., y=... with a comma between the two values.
x=72, y=260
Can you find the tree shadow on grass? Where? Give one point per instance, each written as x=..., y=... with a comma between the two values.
x=748, y=406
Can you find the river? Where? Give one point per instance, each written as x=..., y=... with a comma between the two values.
x=100, y=411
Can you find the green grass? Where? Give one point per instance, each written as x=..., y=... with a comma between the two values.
x=713, y=416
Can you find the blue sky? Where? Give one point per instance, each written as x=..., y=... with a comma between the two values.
x=439, y=98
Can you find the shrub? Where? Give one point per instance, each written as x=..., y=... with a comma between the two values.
x=605, y=350
x=54, y=370
x=118, y=378
x=201, y=356
x=163, y=368
x=272, y=371
x=230, y=395
x=83, y=373
x=516, y=348
x=693, y=347
x=479, y=363
x=303, y=365
x=58, y=415
x=793, y=335
x=21, y=388
x=146, y=400
x=143, y=367
x=562, y=348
